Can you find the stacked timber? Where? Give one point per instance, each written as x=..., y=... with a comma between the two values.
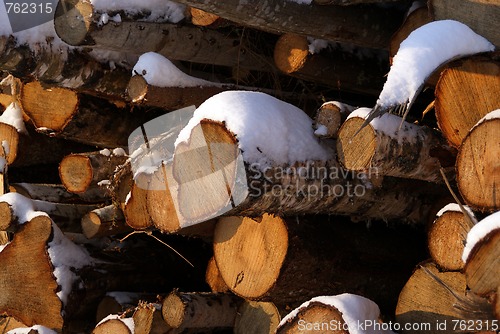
x=208, y=167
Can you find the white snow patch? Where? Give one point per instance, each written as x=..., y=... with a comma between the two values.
x=129, y=322
x=316, y=45
x=25, y=330
x=106, y=152
x=489, y=116
x=159, y=71
x=161, y=10
x=24, y=208
x=105, y=18
x=269, y=131
x=3, y=246
x=5, y=147
x=321, y=130
x=119, y=152
x=14, y=117
x=104, y=183
x=414, y=6
x=64, y=256
x=390, y=125
x=422, y=52
x=456, y=208
x=479, y=232
x=355, y=310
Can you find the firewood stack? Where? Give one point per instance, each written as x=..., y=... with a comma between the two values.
x=275, y=206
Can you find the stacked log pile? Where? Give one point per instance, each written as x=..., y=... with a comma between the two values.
x=115, y=220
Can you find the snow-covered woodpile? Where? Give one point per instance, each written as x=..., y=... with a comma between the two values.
x=279, y=166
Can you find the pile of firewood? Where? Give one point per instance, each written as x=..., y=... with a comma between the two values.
x=91, y=243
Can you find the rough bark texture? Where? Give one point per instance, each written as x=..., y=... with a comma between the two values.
x=411, y=152
x=105, y=221
x=84, y=172
x=332, y=67
x=202, y=311
x=168, y=98
x=369, y=26
x=326, y=188
x=290, y=263
x=188, y=43
x=435, y=297
x=478, y=176
x=466, y=91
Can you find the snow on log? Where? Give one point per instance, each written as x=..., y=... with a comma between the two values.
x=105, y=221
x=414, y=20
x=339, y=314
x=90, y=172
x=329, y=117
x=466, y=91
x=256, y=318
x=434, y=297
x=369, y=26
x=447, y=235
x=10, y=324
x=168, y=98
x=202, y=311
x=392, y=147
x=333, y=67
x=419, y=55
x=174, y=41
x=265, y=158
x=268, y=259
x=481, y=254
x=480, y=15
x=478, y=167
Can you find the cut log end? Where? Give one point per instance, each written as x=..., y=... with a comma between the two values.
x=9, y=135
x=315, y=313
x=213, y=277
x=478, y=167
x=328, y=115
x=464, y=94
x=290, y=53
x=211, y=154
x=446, y=240
x=6, y=216
x=75, y=14
x=250, y=252
x=356, y=152
x=137, y=88
x=49, y=108
x=76, y=172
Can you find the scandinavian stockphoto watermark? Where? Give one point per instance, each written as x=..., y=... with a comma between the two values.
x=26, y=14
x=213, y=173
